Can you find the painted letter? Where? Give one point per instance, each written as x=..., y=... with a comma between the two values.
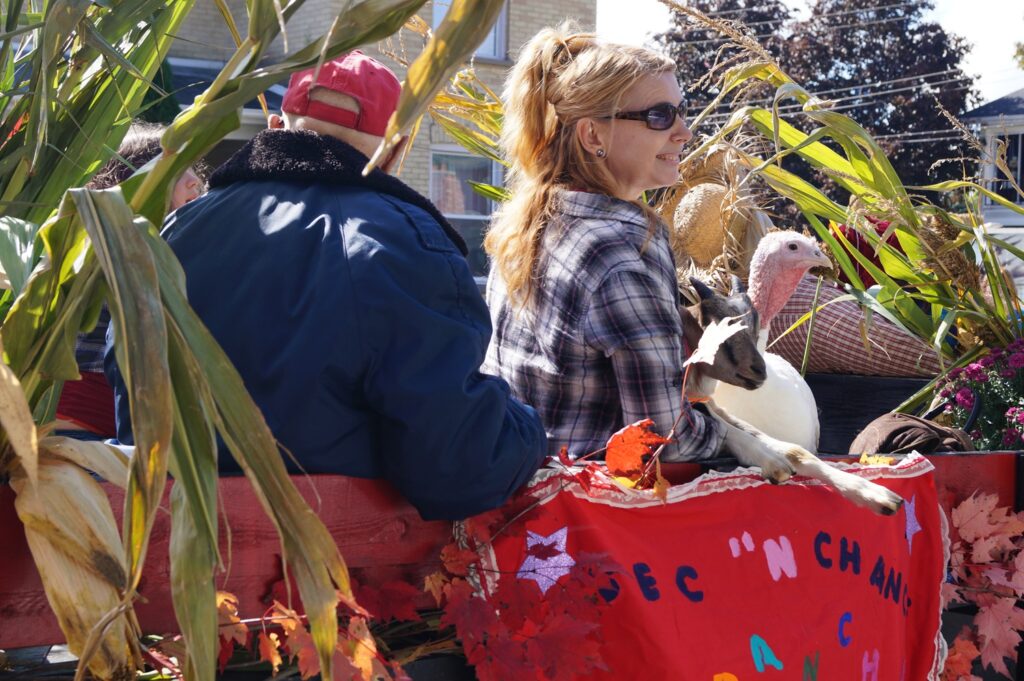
x=870, y=667
x=844, y=640
x=822, y=538
x=611, y=592
x=684, y=573
x=848, y=556
x=725, y=676
x=762, y=654
x=893, y=585
x=878, y=575
x=811, y=670
x=648, y=585
x=780, y=557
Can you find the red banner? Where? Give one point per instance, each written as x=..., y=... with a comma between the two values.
x=735, y=579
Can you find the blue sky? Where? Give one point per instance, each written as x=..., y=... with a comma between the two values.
x=991, y=26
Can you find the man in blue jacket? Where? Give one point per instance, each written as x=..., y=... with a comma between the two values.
x=347, y=305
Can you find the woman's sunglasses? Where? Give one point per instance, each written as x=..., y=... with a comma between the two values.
x=659, y=117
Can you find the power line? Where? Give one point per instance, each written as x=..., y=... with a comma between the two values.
x=824, y=28
x=864, y=99
x=916, y=132
x=816, y=16
x=819, y=93
x=764, y=7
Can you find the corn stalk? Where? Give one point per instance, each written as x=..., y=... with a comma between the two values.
x=73, y=76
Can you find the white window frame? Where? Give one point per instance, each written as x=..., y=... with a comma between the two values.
x=500, y=30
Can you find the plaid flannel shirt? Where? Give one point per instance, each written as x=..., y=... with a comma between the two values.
x=600, y=344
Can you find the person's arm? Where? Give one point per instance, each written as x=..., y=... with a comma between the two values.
x=635, y=328
x=455, y=442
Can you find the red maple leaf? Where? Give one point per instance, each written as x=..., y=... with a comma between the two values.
x=480, y=527
x=519, y=600
x=230, y=628
x=961, y=658
x=269, y=649
x=503, y=658
x=457, y=560
x=544, y=551
x=546, y=650
x=395, y=600
x=473, y=618
x=627, y=448
x=997, y=626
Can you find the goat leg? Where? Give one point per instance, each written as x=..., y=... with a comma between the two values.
x=855, y=488
x=780, y=460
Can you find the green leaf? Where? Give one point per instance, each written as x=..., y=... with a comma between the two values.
x=17, y=241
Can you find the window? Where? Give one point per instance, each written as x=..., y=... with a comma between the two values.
x=495, y=45
x=1014, y=152
x=451, y=171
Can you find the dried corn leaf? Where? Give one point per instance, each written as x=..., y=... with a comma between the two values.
x=74, y=541
x=16, y=419
x=110, y=463
x=464, y=27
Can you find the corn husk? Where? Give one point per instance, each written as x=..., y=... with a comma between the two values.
x=74, y=541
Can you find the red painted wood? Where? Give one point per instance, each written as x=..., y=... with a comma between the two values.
x=380, y=536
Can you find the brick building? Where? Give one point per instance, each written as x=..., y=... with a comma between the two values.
x=434, y=166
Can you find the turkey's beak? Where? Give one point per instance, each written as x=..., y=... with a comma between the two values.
x=818, y=259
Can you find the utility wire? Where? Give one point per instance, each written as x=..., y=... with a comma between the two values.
x=863, y=100
x=815, y=16
x=823, y=28
x=848, y=11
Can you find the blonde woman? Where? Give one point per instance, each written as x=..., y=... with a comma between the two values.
x=582, y=290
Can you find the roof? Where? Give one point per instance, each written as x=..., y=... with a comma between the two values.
x=1008, y=105
x=193, y=76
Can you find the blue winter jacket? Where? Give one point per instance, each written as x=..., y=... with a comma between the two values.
x=351, y=314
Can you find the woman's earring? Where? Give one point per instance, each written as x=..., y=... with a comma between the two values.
x=600, y=153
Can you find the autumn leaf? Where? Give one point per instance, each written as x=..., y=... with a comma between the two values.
x=230, y=626
x=950, y=594
x=971, y=516
x=457, y=560
x=480, y=527
x=998, y=625
x=519, y=600
x=714, y=335
x=395, y=600
x=434, y=584
x=474, y=618
x=563, y=456
x=269, y=648
x=961, y=658
x=230, y=629
x=627, y=447
x=661, y=485
x=544, y=551
x=983, y=548
x=361, y=650
x=546, y=651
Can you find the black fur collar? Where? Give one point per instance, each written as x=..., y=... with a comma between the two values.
x=305, y=156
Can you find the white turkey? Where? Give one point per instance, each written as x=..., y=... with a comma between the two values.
x=783, y=407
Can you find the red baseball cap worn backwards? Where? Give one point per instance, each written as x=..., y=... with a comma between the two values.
x=363, y=78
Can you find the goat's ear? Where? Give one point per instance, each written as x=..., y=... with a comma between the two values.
x=737, y=285
x=703, y=290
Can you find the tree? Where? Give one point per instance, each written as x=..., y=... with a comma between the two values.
x=881, y=62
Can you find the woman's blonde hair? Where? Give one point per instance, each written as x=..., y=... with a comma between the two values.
x=560, y=77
